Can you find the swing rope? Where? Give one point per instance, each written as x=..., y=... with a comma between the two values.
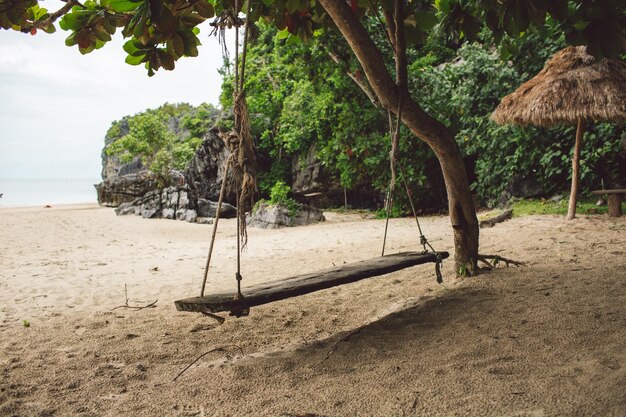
x=394, y=164
x=240, y=166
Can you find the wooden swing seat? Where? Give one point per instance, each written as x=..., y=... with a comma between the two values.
x=307, y=283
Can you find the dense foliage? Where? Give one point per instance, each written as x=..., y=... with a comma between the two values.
x=164, y=139
x=162, y=31
x=302, y=100
x=464, y=92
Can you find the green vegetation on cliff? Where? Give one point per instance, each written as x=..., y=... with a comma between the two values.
x=164, y=139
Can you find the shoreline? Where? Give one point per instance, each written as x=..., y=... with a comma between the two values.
x=58, y=207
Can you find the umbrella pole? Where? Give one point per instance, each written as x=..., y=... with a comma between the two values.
x=580, y=131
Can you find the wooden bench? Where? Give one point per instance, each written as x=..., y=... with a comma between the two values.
x=614, y=198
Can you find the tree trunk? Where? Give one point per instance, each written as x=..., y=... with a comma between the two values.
x=422, y=125
x=580, y=131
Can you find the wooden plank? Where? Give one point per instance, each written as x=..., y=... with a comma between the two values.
x=307, y=283
x=615, y=191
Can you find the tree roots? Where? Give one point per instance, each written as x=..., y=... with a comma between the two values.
x=495, y=260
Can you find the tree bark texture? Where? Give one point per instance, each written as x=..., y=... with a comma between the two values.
x=615, y=205
x=580, y=131
x=422, y=125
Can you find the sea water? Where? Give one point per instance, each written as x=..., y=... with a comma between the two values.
x=40, y=192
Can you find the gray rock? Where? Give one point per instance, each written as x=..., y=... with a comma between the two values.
x=150, y=205
x=307, y=173
x=180, y=214
x=173, y=200
x=275, y=216
x=208, y=208
x=148, y=212
x=191, y=216
x=307, y=215
x=123, y=189
x=168, y=213
x=204, y=220
x=206, y=170
x=125, y=208
x=183, y=199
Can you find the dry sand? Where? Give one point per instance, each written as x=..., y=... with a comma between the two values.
x=547, y=339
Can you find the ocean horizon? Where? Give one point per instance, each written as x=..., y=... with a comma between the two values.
x=40, y=192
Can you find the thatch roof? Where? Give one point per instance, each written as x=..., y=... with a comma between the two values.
x=571, y=85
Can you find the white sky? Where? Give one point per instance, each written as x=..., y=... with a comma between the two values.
x=56, y=104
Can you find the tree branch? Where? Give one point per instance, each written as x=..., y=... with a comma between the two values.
x=358, y=80
x=52, y=17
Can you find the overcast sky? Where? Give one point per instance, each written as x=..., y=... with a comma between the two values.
x=56, y=104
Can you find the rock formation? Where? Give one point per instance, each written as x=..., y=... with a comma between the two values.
x=134, y=190
x=206, y=170
x=267, y=216
x=174, y=203
x=125, y=188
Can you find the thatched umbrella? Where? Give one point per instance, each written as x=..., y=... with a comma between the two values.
x=573, y=87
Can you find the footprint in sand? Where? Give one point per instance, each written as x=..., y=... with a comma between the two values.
x=190, y=410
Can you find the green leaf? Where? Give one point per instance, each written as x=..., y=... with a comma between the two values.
x=71, y=21
x=71, y=40
x=204, y=9
x=293, y=40
x=135, y=60
x=283, y=34
x=129, y=46
x=167, y=62
x=108, y=25
x=178, y=45
x=50, y=28
x=123, y=6
x=443, y=6
x=88, y=49
x=425, y=21
x=191, y=50
x=192, y=20
x=101, y=33
x=190, y=43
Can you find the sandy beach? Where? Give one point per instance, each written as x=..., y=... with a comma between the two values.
x=546, y=339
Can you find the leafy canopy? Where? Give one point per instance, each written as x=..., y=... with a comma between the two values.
x=160, y=32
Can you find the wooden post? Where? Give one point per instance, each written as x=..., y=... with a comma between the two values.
x=580, y=131
x=615, y=204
